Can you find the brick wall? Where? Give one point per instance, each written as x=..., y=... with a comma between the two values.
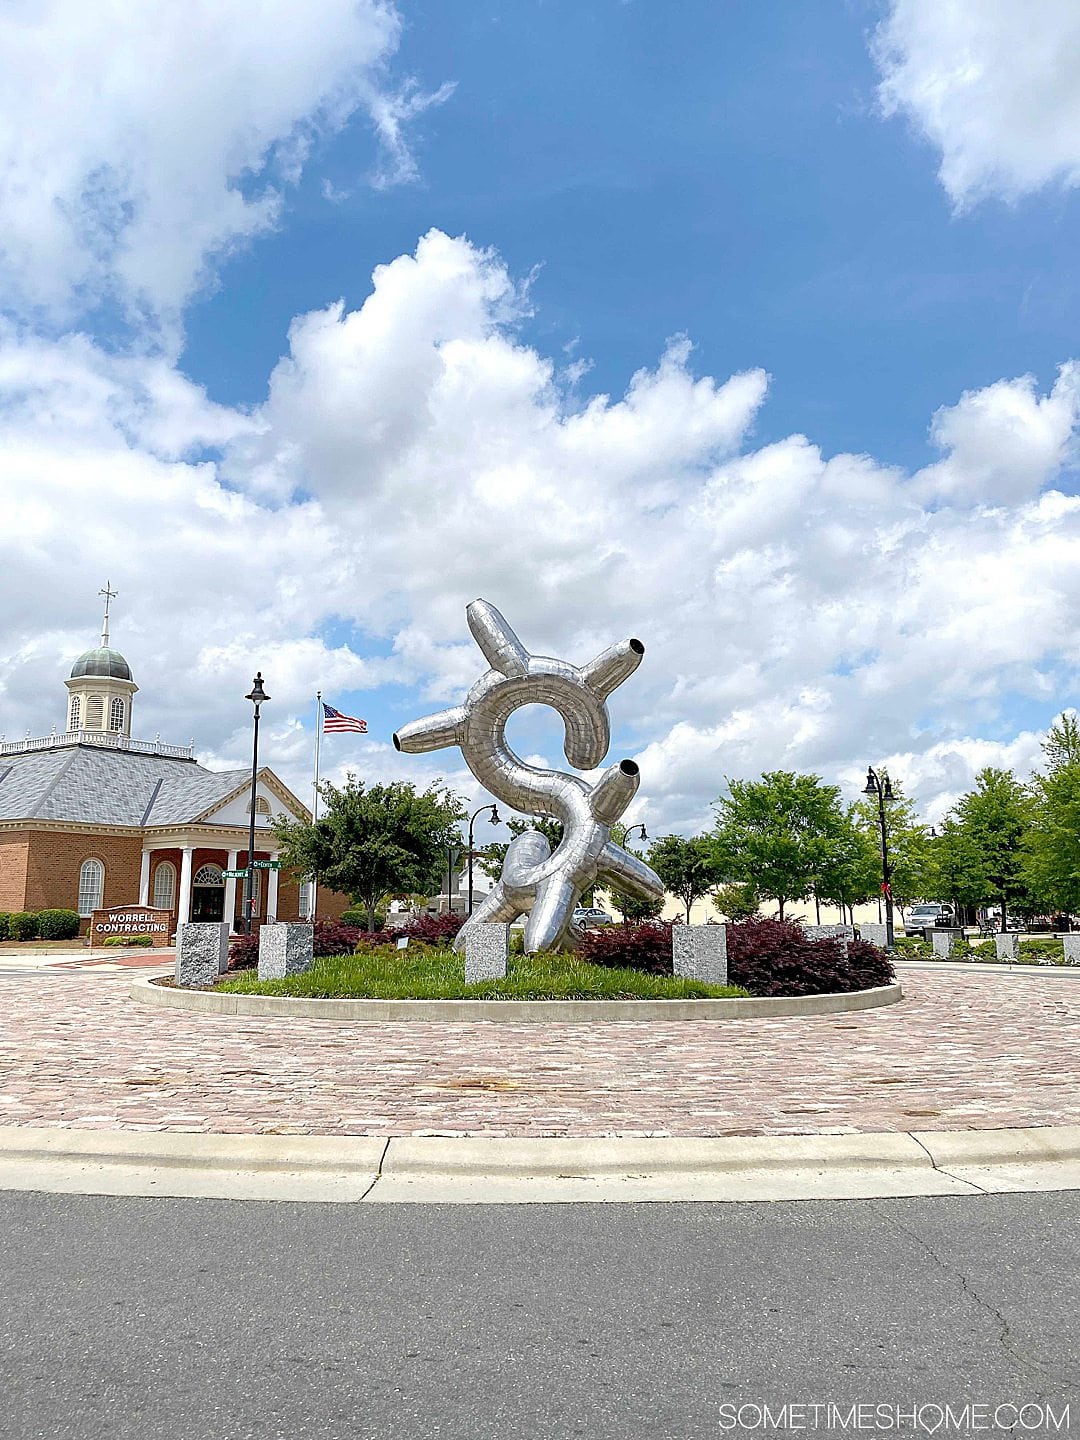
x=13, y=849
x=55, y=857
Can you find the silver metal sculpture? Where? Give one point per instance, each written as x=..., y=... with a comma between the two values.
x=534, y=881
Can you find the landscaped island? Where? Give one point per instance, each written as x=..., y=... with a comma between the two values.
x=765, y=958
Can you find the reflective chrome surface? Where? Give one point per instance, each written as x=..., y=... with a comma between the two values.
x=535, y=882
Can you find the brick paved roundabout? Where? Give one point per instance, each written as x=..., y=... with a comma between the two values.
x=964, y=1051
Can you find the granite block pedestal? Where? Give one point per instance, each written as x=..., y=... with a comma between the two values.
x=875, y=934
x=285, y=950
x=202, y=953
x=1072, y=949
x=699, y=952
x=487, y=951
x=944, y=943
x=1007, y=946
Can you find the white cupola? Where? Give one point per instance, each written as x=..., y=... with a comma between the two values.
x=100, y=686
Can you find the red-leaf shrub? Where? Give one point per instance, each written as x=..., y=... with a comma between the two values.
x=630, y=947
x=333, y=938
x=766, y=957
x=432, y=929
x=243, y=952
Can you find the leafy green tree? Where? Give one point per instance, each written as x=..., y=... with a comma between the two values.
x=736, y=902
x=849, y=867
x=983, y=853
x=687, y=867
x=374, y=841
x=778, y=834
x=1052, y=865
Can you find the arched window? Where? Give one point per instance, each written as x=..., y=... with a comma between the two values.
x=303, y=904
x=164, y=885
x=208, y=875
x=74, y=712
x=95, y=712
x=91, y=886
x=262, y=805
x=116, y=714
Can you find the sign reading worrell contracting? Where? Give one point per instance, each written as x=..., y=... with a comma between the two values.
x=124, y=920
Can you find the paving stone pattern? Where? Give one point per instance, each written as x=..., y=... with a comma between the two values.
x=976, y=1050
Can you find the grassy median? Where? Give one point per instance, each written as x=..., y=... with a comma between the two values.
x=427, y=973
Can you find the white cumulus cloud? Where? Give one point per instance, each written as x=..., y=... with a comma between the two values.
x=142, y=142
x=800, y=610
x=994, y=85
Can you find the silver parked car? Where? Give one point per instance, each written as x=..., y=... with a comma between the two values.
x=588, y=917
x=926, y=916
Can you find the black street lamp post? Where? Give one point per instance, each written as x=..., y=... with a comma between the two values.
x=881, y=786
x=630, y=831
x=258, y=696
x=495, y=821
x=452, y=853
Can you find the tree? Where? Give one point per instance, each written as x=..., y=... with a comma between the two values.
x=778, y=834
x=983, y=851
x=687, y=867
x=1052, y=864
x=736, y=902
x=371, y=842
x=849, y=869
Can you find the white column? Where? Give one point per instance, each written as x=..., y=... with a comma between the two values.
x=144, y=879
x=230, y=892
x=271, y=891
x=183, y=914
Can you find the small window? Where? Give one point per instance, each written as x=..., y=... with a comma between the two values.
x=262, y=805
x=164, y=885
x=76, y=711
x=303, y=904
x=95, y=712
x=91, y=886
x=116, y=714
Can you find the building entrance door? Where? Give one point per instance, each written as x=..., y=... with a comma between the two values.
x=208, y=895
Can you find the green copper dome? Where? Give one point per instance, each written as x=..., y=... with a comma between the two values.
x=108, y=664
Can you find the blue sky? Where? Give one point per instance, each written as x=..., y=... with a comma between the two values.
x=721, y=171
x=861, y=217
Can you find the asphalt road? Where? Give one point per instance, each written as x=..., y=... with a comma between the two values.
x=183, y=1319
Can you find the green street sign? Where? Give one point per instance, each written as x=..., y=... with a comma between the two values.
x=267, y=864
x=234, y=874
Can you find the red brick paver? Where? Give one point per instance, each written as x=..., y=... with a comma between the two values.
x=963, y=1051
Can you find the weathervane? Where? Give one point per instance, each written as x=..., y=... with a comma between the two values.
x=110, y=594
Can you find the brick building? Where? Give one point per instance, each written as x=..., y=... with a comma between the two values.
x=90, y=817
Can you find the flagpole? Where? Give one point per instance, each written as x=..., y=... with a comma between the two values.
x=315, y=798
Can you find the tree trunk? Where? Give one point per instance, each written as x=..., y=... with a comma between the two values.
x=370, y=918
x=688, y=900
x=1003, y=921
x=817, y=908
x=780, y=899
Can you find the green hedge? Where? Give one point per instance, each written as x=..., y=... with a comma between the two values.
x=126, y=940
x=4, y=918
x=58, y=924
x=23, y=925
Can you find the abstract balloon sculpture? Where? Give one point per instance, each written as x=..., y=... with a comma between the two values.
x=534, y=881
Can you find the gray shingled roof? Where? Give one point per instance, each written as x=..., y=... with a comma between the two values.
x=93, y=786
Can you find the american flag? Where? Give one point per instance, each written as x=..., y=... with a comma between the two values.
x=334, y=720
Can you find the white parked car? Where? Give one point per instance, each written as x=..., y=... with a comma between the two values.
x=588, y=917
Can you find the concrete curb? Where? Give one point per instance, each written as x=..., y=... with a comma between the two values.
x=509, y=1012
x=495, y=1170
